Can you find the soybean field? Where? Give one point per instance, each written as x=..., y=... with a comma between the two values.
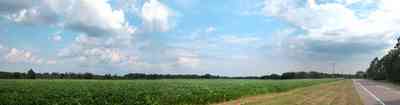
x=140, y=92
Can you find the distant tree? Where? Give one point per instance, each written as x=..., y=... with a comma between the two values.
x=274, y=76
x=288, y=75
x=107, y=76
x=17, y=75
x=360, y=74
x=88, y=76
x=207, y=76
x=301, y=75
x=314, y=74
x=31, y=74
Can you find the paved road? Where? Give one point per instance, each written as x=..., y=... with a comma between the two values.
x=377, y=93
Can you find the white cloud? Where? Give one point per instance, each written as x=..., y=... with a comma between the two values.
x=27, y=12
x=335, y=31
x=156, y=16
x=187, y=58
x=188, y=61
x=14, y=55
x=336, y=23
x=239, y=40
x=21, y=15
x=129, y=6
x=323, y=17
x=105, y=36
x=105, y=32
x=98, y=56
x=91, y=51
x=11, y=6
x=211, y=29
x=51, y=62
x=93, y=17
x=249, y=7
x=56, y=37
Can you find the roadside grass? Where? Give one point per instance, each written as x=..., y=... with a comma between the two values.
x=140, y=92
x=334, y=93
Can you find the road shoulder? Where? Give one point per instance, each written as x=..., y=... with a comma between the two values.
x=382, y=92
x=365, y=96
x=334, y=93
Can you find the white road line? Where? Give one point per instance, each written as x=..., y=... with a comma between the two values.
x=370, y=93
x=383, y=87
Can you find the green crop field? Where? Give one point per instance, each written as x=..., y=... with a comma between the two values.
x=139, y=92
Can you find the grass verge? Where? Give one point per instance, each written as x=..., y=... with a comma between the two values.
x=334, y=93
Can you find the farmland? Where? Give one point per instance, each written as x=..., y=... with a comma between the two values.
x=140, y=92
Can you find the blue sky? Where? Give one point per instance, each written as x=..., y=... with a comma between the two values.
x=222, y=37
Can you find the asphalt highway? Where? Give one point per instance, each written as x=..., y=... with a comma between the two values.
x=377, y=93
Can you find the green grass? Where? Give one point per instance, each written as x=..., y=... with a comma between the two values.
x=138, y=92
x=335, y=93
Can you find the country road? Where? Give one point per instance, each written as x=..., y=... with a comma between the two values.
x=377, y=93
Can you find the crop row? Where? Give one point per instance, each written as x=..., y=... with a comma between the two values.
x=138, y=92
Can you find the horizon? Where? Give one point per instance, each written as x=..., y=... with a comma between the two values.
x=225, y=38
x=180, y=73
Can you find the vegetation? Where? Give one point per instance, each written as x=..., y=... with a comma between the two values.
x=335, y=93
x=288, y=75
x=386, y=68
x=305, y=75
x=31, y=74
x=139, y=92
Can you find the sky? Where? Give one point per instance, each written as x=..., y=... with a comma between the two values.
x=220, y=37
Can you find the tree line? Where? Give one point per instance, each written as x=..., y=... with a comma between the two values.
x=30, y=74
x=308, y=75
x=387, y=67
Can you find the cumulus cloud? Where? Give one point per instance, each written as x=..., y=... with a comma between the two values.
x=130, y=6
x=104, y=35
x=27, y=12
x=91, y=50
x=10, y=6
x=311, y=16
x=95, y=18
x=332, y=28
x=108, y=38
x=156, y=16
x=104, y=31
x=14, y=55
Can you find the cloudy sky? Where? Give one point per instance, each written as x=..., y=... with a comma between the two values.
x=222, y=37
